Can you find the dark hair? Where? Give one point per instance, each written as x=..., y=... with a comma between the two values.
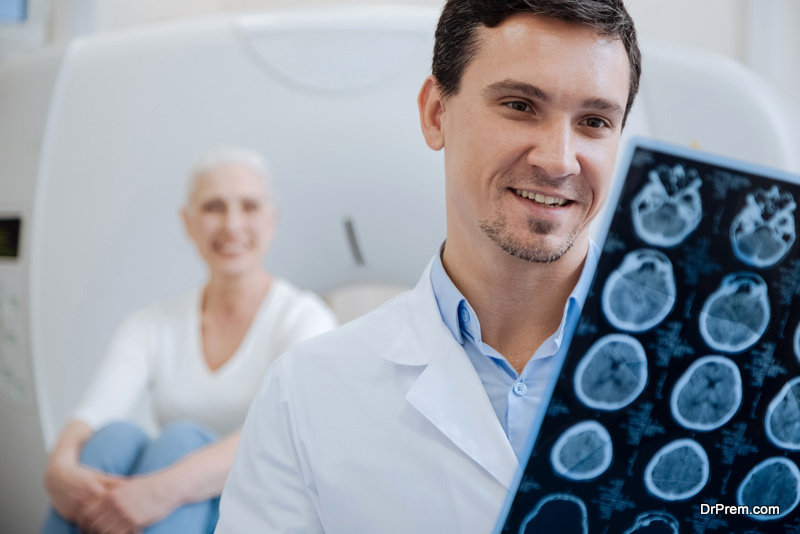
x=457, y=43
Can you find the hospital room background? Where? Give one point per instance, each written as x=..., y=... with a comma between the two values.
x=104, y=105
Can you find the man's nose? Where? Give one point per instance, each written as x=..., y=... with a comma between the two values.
x=554, y=150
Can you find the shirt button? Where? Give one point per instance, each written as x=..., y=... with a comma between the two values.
x=464, y=314
x=520, y=389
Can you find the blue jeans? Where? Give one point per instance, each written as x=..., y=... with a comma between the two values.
x=124, y=449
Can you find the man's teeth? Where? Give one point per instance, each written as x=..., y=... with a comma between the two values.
x=542, y=199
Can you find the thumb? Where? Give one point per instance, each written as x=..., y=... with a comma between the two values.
x=95, y=488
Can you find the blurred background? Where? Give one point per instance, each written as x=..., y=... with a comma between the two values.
x=761, y=34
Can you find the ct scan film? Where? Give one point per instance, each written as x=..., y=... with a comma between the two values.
x=677, y=407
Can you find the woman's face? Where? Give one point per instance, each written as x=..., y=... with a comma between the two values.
x=230, y=219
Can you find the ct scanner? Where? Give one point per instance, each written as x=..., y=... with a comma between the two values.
x=96, y=138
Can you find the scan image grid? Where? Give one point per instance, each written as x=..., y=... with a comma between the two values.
x=681, y=386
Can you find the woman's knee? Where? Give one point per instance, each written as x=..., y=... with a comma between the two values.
x=177, y=439
x=188, y=432
x=114, y=448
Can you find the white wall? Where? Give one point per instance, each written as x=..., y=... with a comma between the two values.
x=789, y=80
x=715, y=25
x=758, y=33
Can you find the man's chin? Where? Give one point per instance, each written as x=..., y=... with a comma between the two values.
x=541, y=243
x=544, y=253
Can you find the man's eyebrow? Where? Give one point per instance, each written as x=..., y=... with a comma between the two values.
x=602, y=104
x=507, y=87
x=510, y=86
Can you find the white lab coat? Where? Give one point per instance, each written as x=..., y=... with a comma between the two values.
x=380, y=426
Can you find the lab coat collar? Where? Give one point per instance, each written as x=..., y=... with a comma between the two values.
x=449, y=392
x=422, y=330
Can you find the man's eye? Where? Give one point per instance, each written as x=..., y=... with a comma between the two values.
x=518, y=106
x=595, y=122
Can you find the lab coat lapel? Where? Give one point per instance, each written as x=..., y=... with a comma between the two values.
x=449, y=392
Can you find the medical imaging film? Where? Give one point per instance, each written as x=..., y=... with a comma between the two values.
x=640, y=293
x=612, y=374
x=736, y=315
x=764, y=230
x=582, y=452
x=708, y=394
x=680, y=390
x=669, y=207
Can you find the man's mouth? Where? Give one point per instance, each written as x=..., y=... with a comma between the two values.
x=544, y=200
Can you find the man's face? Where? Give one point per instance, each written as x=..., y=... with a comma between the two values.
x=531, y=137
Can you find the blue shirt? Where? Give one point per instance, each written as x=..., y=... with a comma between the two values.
x=515, y=397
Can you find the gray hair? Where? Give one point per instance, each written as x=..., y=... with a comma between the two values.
x=231, y=155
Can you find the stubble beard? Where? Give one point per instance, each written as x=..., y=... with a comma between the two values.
x=496, y=229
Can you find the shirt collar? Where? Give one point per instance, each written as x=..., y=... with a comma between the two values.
x=448, y=297
x=459, y=316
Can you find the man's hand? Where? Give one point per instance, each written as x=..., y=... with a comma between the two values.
x=127, y=507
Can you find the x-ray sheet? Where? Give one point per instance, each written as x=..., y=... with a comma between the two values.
x=677, y=407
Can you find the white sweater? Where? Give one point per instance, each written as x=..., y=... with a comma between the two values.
x=158, y=351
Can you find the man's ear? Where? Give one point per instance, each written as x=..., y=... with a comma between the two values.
x=431, y=108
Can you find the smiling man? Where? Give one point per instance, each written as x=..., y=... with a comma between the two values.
x=414, y=418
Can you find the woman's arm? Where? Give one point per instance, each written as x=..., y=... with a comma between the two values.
x=143, y=500
x=68, y=483
x=117, y=385
x=201, y=475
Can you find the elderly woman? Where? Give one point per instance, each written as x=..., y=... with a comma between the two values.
x=199, y=358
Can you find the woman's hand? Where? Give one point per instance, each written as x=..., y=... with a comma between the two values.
x=71, y=486
x=129, y=506
x=136, y=502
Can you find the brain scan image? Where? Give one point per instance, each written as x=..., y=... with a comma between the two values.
x=783, y=417
x=668, y=208
x=582, y=452
x=559, y=512
x=640, y=293
x=708, y=394
x=773, y=482
x=678, y=471
x=654, y=523
x=612, y=373
x=797, y=342
x=764, y=231
x=736, y=315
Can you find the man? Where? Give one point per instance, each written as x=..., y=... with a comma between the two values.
x=413, y=419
